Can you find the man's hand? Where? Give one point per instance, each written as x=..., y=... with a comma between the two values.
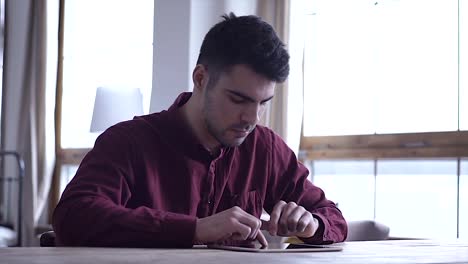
x=290, y=219
x=233, y=223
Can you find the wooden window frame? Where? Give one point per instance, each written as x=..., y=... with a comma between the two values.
x=63, y=156
x=380, y=146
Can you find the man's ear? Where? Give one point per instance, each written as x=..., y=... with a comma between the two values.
x=199, y=77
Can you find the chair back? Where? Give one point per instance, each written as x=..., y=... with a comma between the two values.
x=47, y=239
x=367, y=230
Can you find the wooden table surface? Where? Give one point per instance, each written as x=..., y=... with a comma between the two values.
x=392, y=251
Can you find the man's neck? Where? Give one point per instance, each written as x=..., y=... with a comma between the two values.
x=192, y=114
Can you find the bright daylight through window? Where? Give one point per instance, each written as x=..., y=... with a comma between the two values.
x=382, y=67
x=107, y=43
x=386, y=111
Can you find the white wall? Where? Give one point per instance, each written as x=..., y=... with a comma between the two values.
x=179, y=28
x=170, y=51
x=205, y=14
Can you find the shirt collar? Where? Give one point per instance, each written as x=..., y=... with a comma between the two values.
x=181, y=135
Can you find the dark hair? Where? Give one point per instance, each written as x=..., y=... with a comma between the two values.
x=244, y=40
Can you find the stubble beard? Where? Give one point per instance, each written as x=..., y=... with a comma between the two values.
x=218, y=134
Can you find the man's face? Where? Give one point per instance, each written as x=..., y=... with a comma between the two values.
x=235, y=103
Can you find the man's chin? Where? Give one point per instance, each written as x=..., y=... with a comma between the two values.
x=234, y=142
x=233, y=139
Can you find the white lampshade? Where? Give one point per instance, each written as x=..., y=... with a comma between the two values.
x=115, y=105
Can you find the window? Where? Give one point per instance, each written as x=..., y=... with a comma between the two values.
x=417, y=198
x=403, y=194
x=350, y=184
x=385, y=79
x=381, y=67
x=106, y=43
x=386, y=85
x=463, y=223
x=463, y=61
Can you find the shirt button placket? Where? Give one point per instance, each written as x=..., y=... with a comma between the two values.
x=211, y=176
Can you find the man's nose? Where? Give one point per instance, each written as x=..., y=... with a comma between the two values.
x=252, y=114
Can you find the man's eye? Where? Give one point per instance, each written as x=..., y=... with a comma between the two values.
x=237, y=101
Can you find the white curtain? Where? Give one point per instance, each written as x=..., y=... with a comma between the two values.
x=28, y=99
x=284, y=116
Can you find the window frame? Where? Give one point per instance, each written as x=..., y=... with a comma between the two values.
x=452, y=144
x=444, y=144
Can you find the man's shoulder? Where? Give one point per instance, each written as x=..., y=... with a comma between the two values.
x=265, y=134
x=149, y=120
x=267, y=139
x=261, y=137
x=138, y=126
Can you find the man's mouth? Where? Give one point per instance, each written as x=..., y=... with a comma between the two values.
x=240, y=133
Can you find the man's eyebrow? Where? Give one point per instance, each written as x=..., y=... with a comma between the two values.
x=248, y=98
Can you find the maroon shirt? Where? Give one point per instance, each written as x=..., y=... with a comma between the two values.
x=147, y=180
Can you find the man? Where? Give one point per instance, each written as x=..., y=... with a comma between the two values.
x=202, y=171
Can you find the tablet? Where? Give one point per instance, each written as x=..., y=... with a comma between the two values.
x=282, y=248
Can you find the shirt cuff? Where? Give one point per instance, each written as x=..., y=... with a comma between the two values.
x=179, y=229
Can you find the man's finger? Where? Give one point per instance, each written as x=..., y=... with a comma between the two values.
x=304, y=221
x=311, y=227
x=248, y=219
x=262, y=240
x=283, y=228
x=243, y=222
x=253, y=223
x=293, y=219
x=239, y=230
x=275, y=216
x=253, y=234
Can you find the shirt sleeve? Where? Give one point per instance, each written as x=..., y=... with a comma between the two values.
x=94, y=211
x=289, y=182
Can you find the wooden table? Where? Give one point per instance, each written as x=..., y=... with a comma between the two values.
x=393, y=251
